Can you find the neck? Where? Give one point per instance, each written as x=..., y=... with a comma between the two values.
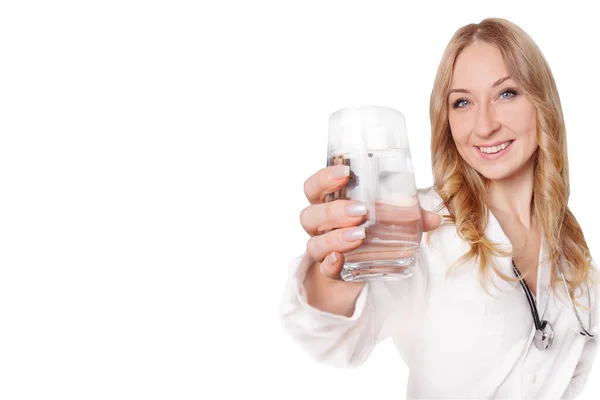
x=512, y=195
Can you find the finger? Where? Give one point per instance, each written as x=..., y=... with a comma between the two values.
x=326, y=181
x=319, y=218
x=331, y=267
x=341, y=240
x=431, y=220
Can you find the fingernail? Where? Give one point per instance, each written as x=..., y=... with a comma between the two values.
x=354, y=234
x=323, y=268
x=331, y=259
x=356, y=209
x=340, y=171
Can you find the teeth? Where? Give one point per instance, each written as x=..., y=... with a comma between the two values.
x=494, y=149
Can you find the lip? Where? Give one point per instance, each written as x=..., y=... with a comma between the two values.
x=495, y=143
x=497, y=155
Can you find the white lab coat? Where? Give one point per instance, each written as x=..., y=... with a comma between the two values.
x=458, y=341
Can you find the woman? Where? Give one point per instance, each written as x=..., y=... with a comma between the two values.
x=463, y=323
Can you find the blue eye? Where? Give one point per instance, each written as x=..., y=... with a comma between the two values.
x=508, y=94
x=460, y=103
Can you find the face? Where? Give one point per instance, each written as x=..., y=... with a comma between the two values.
x=493, y=123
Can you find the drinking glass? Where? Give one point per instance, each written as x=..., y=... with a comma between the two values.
x=373, y=142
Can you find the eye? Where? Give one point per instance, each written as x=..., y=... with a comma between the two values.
x=508, y=94
x=460, y=103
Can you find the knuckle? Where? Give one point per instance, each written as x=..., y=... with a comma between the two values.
x=322, y=224
x=304, y=216
x=322, y=181
x=311, y=249
x=335, y=211
x=329, y=212
x=338, y=237
x=331, y=241
x=307, y=187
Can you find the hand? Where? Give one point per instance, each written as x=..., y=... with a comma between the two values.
x=334, y=226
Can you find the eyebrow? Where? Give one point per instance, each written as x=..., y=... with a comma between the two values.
x=498, y=82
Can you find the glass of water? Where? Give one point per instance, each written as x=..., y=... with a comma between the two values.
x=373, y=142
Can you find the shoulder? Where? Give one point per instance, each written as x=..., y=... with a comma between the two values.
x=430, y=200
x=594, y=265
x=593, y=290
x=593, y=277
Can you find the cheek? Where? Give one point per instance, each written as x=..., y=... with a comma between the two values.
x=460, y=141
x=460, y=133
x=531, y=126
x=522, y=121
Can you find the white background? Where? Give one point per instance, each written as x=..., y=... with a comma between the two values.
x=152, y=156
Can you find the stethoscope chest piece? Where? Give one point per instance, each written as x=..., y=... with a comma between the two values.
x=544, y=336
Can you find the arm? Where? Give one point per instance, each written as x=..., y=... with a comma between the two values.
x=343, y=330
x=344, y=340
x=590, y=350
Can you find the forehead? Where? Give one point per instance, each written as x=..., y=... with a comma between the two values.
x=478, y=66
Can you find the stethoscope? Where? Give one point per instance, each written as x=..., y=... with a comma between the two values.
x=544, y=334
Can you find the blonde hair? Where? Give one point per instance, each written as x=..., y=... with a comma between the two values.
x=462, y=188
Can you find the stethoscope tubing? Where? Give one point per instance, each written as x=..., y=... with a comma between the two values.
x=585, y=331
x=530, y=299
x=544, y=331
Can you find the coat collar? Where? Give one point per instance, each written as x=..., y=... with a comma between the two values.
x=495, y=233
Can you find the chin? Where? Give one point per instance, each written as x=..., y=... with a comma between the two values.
x=498, y=172
x=491, y=172
x=496, y=175
x=505, y=170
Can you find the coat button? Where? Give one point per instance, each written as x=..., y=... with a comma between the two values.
x=531, y=378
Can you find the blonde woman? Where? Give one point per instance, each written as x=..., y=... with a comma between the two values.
x=503, y=301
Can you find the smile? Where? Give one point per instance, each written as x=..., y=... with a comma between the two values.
x=495, y=149
x=493, y=152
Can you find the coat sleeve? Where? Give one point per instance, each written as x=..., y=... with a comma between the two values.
x=342, y=341
x=590, y=350
x=382, y=310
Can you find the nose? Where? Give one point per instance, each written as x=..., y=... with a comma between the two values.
x=485, y=121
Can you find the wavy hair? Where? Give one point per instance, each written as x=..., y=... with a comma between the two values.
x=462, y=188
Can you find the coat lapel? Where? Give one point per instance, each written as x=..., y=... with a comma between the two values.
x=495, y=233
x=543, y=280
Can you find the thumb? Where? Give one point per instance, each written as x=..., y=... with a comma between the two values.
x=431, y=220
x=331, y=267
